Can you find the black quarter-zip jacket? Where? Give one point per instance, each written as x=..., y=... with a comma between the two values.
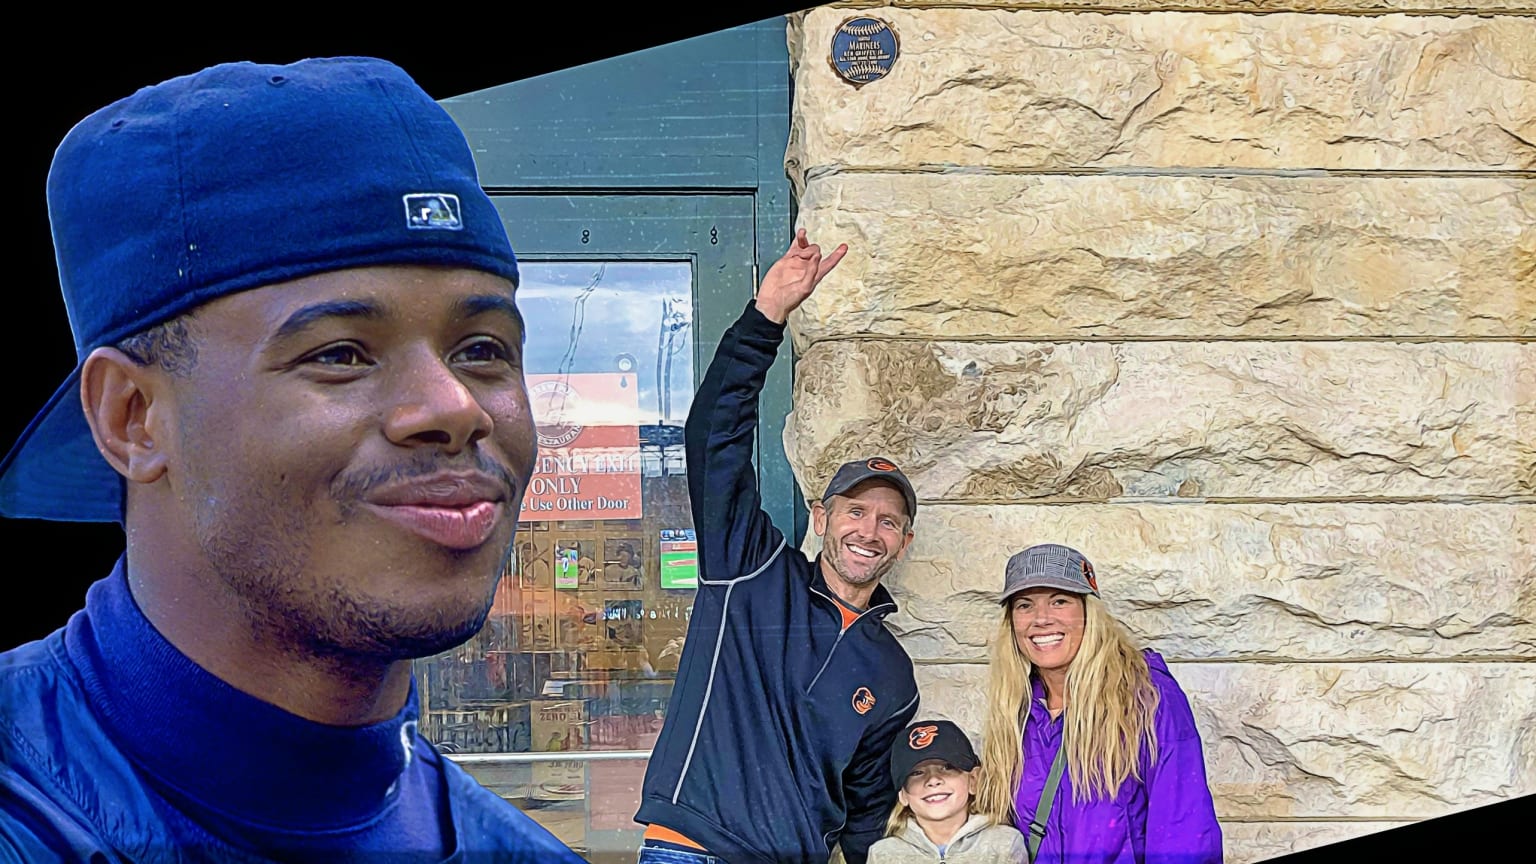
x=777, y=739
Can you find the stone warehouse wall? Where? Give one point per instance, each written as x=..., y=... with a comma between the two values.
x=1240, y=299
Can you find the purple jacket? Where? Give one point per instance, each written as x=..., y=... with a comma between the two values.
x=1168, y=818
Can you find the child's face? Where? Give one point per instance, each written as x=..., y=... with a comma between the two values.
x=936, y=790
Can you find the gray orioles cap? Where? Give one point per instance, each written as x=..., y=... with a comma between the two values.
x=1048, y=565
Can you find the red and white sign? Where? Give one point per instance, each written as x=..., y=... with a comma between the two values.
x=588, y=465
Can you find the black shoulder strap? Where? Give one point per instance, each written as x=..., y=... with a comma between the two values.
x=1047, y=796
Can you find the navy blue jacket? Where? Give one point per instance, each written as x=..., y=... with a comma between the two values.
x=777, y=740
x=70, y=792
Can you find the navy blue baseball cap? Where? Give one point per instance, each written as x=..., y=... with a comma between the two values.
x=235, y=177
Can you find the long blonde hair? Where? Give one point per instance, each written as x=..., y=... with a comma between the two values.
x=1110, y=704
x=901, y=814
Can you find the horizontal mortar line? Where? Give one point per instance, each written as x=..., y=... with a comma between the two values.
x=611, y=191
x=1062, y=501
x=1204, y=340
x=1346, y=820
x=824, y=171
x=1200, y=10
x=1483, y=659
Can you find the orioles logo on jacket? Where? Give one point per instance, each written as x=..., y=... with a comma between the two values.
x=922, y=736
x=863, y=700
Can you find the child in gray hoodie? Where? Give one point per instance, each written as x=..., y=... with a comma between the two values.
x=934, y=768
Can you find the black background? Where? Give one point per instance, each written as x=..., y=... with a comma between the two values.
x=64, y=69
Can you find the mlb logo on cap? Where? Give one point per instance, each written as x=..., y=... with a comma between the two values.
x=433, y=210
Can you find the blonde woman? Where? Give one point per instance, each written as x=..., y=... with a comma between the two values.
x=1066, y=679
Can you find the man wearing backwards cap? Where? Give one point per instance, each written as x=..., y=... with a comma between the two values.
x=790, y=690
x=300, y=393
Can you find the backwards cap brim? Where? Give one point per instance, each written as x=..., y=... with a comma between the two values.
x=54, y=471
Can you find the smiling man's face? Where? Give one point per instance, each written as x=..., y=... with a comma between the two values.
x=866, y=530
x=350, y=453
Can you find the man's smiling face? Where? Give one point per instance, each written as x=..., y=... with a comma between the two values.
x=350, y=453
x=866, y=531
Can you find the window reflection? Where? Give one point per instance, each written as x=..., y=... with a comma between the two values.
x=582, y=643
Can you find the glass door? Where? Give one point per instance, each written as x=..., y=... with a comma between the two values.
x=557, y=702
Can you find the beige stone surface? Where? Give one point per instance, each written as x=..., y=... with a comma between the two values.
x=1526, y=6
x=1093, y=256
x=1247, y=842
x=1301, y=581
x=1376, y=741
x=954, y=691
x=1003, y=422
x=1022, y=89
x=1065, y=294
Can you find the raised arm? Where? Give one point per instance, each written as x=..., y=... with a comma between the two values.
x=735, y=535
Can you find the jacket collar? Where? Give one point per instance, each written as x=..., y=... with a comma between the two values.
x=881, y=603
x=192, y=731
x=914, y=835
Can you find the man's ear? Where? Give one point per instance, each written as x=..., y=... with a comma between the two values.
x=125, y=405
x=905, y=542
x=819, y=518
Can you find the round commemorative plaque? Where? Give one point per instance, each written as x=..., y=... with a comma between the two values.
x=863, y=50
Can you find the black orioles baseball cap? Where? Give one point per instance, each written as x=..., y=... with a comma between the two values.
x=930, y=739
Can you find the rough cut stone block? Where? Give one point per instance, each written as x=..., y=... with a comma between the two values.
x=1303, y=581
x=1224, y=5
x=1378, y=741
x=954, y=691
x=1249, y=842
x=1029, y=89
x=1092, y=256
x=1002, y=422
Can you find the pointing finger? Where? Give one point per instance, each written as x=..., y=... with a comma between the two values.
x=831, y=261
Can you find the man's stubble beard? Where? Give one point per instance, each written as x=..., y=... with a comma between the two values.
x=875, y=574
x=265, y=568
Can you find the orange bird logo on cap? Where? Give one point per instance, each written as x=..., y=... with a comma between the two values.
x=1088, y=574
x=863, y=700
x=922, y=736
x=880, y=465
